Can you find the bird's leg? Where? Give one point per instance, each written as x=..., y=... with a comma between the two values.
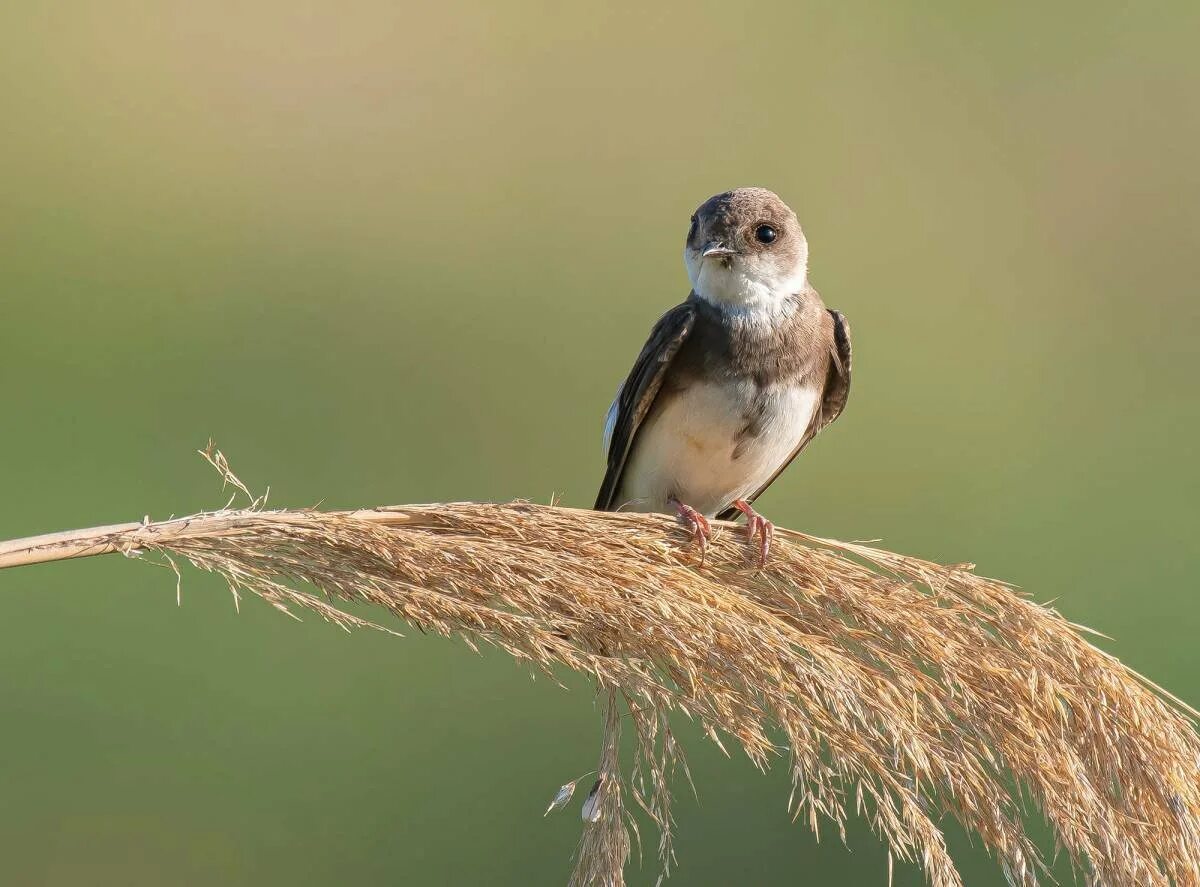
x=696, y=523
x=757, y=525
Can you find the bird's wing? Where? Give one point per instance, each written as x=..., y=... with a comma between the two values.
x=637, y=393
x=833, y=400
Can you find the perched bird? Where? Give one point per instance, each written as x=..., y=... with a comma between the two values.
x=734, y=382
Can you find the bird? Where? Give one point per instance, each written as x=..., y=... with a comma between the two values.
x=733, y=382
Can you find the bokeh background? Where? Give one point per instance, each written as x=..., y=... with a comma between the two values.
x=388, y=253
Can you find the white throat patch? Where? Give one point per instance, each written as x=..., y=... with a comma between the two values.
x=744, y=286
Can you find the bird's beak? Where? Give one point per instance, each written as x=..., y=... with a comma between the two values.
x=715, y=249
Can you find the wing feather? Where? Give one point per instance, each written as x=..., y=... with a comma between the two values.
x=636, y=395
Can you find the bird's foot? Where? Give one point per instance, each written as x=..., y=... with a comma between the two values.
x=696, y=523
x=757, y=525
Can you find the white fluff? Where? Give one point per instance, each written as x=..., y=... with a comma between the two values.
x=610, y=418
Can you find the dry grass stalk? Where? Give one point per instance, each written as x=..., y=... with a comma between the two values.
x=604, y=847
x=905, y=689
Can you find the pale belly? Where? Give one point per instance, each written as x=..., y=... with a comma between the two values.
x=693, y=449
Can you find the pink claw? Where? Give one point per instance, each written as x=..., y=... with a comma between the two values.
x=757, y=525
x=696, y=523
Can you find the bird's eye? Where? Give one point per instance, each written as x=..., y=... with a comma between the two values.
x=765, y=234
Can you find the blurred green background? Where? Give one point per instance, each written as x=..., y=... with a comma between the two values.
x=389, y=253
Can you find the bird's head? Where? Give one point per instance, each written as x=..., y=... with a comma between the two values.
x=745, y=251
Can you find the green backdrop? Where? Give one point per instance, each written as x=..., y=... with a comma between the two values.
x=390, y=253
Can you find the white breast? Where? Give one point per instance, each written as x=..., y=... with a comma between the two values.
x=691, y=449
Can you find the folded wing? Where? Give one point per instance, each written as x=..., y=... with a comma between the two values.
x=636, y=396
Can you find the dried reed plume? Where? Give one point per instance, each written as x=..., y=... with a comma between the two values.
x=904, y=689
